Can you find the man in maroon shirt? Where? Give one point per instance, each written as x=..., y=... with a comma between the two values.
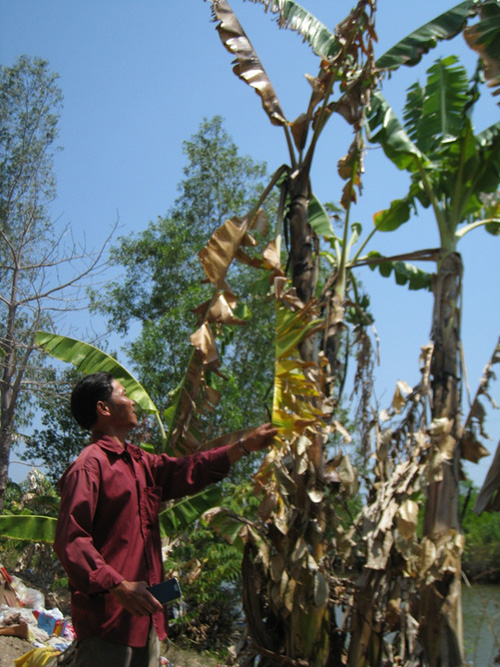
x=107, y=535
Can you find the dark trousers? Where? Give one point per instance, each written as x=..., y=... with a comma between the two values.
x=96, y=652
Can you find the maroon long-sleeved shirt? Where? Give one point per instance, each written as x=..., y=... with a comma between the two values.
x=107, y=529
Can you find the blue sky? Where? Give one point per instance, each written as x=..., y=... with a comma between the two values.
x=138, y=77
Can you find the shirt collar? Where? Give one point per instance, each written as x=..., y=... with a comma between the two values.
x=109, y=444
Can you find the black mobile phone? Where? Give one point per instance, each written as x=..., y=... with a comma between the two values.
x=166, y=591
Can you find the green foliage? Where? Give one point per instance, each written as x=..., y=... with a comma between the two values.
x=451, y=169
x=29, y=111
x=409, y=50
x=213, y=598
x=162, y=284
x=30, y=527
x=89, y=359
x=404, y=273
x=28, y=524
x=482, y=538
x=183, y=513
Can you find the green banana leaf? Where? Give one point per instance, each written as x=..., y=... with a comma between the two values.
x=407, y=51
x=291, y=329
x=404, y=273
x=89, y=359
x=30, y=527
x=442, y=113
x=229, y=526
x=185, y=512
x=384, y=127
x=295, y=17
x=410, y=50
x=319, y=219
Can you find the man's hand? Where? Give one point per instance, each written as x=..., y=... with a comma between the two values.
x=135, y=598
x=258, y=439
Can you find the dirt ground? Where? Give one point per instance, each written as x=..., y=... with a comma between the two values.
x=13, y=647
x=182, y=658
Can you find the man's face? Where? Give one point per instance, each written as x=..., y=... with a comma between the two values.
x=122, y=408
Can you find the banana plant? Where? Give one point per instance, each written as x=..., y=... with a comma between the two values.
x=286, y=571
x=454, y=173
x=403, y=150
x=298, y=597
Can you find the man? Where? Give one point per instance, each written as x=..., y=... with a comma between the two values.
x=107, y=535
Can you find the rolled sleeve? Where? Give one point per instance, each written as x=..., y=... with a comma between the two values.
x=186, y=475
x=73, y=544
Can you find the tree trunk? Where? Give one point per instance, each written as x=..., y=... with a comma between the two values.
x=9, y=387
x=302, y=261
x=5, y=446
x=287, y=604
x=440, y=605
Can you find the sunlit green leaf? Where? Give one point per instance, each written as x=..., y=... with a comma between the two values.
x=410, y=50
x=319, y=219
x=291, y=15
x=29, y=527
x=443, y=101
x=89, y=359
x=493, y=228
x=292, y=329
x=383, y=127
x=404, y=273
x=227, y=525
x=393, y=217
x=185, y=512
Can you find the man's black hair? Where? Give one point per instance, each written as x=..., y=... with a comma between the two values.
x=87, y=392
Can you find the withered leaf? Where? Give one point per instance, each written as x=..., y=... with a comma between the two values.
x=221, y=249
x=220, y=309
x=247, y=65
x=407, y=518
x=276, y=567
x=428, y=554
x=471, y=449
x=203, y=340
x=300, y=127
x=399, y=398
x=271, y=258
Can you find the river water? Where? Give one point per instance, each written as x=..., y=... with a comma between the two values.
x=481, y=614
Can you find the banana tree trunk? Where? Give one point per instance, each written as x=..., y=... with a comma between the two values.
x=286, y=597
x=440, y=605
x=303, y=263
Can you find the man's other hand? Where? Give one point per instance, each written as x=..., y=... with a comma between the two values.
x=135, y=598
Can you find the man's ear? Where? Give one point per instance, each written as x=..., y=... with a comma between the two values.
x=102, y=408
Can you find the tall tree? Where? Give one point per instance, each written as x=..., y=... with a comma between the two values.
x=162, y=283
x=37, y=266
